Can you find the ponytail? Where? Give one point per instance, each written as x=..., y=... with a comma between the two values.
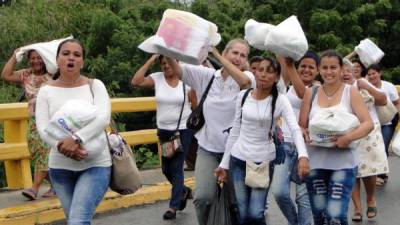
x=56, y=75
x=274, y=93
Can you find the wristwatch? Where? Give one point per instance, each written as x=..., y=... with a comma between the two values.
x=77, y=139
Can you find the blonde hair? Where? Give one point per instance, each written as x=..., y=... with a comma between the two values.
x=232, y=42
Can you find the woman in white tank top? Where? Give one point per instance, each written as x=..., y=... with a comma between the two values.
x=333, y=170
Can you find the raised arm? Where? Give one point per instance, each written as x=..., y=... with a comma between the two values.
x=379, y=97
x=8, y=73
x=239, y=76
x=139, y=79
x=289, y=73
x=304, y=114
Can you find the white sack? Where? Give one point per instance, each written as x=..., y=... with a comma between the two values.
x=70, y=118
x=256, y=33
x=368, y=52
x=329, y=123
x=395, y=146
x=46, y=50
x=183, y=36
x=287, y=39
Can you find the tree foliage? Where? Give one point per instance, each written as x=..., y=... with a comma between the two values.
x=112, y=29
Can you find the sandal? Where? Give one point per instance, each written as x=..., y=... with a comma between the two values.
x=371, y=211
x=357, y=217
x=30, y=194
x=379, y=181
x=50, y=193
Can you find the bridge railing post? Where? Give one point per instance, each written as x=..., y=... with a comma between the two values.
x=18, y=172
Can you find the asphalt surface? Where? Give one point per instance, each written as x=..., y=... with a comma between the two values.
x=388, y=202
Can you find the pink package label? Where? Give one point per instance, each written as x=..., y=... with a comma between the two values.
x=175, y=33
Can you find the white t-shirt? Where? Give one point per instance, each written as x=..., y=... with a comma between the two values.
x=295, y=102
x=219, y=106
x=169, y=103
x=249, y=139
x=50, y=99
x=390, y=91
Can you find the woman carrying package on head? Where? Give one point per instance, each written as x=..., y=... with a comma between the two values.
x=32, y=79
x=219, y=112
x=374, y=76
x=250, y=141
x=300, y=79
x=80, y=176
x=333, y=169
x=173, y=108
x=371, y=149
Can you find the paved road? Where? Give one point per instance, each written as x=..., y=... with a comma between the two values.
x=388, y=198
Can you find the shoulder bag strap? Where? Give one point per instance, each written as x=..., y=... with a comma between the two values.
x=205, y=93
x=183, y=105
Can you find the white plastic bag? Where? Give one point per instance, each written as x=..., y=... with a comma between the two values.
x=329, y=123
x=395, y=146
x=184, y=36
x=256, y=33
x=46, y=50
x=369, y=52
x=70, y=118
x=287, y=39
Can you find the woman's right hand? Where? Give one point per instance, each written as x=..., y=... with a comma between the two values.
x=70, y=149
x=153, y=58
x=221, y=174
x=306, y=135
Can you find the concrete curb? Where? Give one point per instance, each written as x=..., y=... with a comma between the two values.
x=50, y=210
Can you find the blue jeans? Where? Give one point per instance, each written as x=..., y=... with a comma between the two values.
x=281, y=190
x=330, y=192
x=250, y=201
x=80, y=191
x=172, y=168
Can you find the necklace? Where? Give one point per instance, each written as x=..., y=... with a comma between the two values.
x=69, y=82
x=330, y=96
x=262, y=117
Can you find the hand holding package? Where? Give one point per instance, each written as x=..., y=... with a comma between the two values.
x=183, y=36
x=46, y=50
x=330, y=123
x=287, y=39
x=70, y=118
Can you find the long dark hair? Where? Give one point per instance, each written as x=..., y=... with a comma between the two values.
x=57, y=74
x=28, y=56
x=363, y=69
x=274, y=89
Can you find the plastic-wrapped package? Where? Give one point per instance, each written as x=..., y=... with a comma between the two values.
x=256, y=33
x=330, y=123
x=287, y=39
x=46, y=50
x=183, y=36
x=73, y=116
x=369, y=52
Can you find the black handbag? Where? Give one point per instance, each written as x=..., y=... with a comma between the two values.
x=196, y=119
